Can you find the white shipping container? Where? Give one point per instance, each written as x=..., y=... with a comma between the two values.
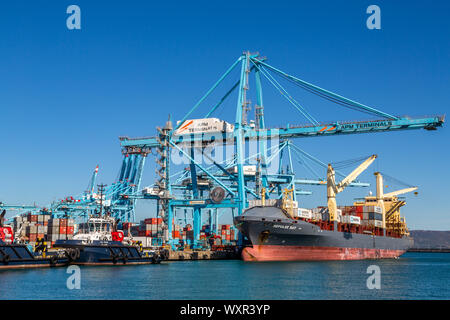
x=207, y=125
x=248, y=170
x=304, y=213
x=355, y=220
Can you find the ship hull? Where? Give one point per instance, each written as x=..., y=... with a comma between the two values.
x=18, y=256
x=303, y=253
x=105, y=253
x=275, y=237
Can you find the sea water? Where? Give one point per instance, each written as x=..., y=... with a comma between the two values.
x=412, y=276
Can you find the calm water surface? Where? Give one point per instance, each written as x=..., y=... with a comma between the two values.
x=413, y=276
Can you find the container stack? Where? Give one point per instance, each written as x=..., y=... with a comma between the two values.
x=227, y=233
x=60, y=229
x=372, y=216
x=30, y=227
x=351, y=215
x=151, y=227
x=205, y=232
x=177, y=232
x=186, y=233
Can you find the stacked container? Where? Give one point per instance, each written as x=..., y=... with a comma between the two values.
x=372, y=216
x=31, y=226
x=60, y=229
x=151, y=227
x=227, y=233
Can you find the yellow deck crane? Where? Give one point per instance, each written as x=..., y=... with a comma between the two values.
x=390, y=206
x=333, y=188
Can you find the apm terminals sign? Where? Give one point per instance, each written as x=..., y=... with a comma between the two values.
x=366, y=125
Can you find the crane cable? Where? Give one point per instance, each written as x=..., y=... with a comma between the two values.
x=328, y=95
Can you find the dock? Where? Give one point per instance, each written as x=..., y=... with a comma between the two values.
x=184, y=255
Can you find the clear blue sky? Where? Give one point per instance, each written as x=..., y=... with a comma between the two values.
x=66, y=95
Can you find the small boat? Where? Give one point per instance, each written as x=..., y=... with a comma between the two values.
x=103, y=244
x=18, y=256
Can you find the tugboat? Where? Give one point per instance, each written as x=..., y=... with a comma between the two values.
x=103, y=244
x=17, y=256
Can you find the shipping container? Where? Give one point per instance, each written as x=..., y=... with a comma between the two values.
x=304, y=213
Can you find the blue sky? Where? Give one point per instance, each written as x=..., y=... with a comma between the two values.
x=66, y=95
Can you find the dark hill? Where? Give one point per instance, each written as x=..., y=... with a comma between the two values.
x=425, y=239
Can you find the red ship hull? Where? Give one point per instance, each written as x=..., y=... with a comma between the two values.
x=306, y=253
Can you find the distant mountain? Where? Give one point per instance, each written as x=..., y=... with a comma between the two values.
x=424, y=239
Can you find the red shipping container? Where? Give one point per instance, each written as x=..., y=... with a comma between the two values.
x=159, y=220
x=359, y=209
x=148, y=221
x=70, y=230
x=62, y=230
x=176, y=234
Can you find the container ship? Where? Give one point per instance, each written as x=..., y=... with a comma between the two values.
x=277, y=230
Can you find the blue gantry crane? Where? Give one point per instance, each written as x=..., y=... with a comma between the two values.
x=209, y=184
x=216, y=187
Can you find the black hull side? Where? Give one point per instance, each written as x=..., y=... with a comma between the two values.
x=269, y=227
x=17, y=256
x=105, y=253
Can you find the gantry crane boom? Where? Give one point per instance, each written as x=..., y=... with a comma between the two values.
x=336, y=128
